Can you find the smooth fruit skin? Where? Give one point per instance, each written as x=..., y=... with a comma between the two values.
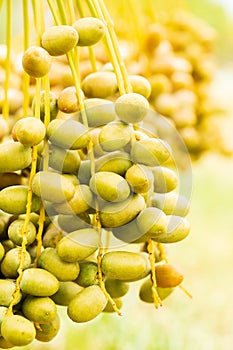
x=39, y=309
x=14, y=156
x=11, y=262
x=90, y=30
x=78, y=245
x=38, y=282
x=131, y=107
x=100, y=85
x=152, y=222
x=124, y=265
x=29, y=131
x=119, y=214
x=62, y=270
x=87, y=304
x=66, y=292
x=13, y=200
x=178, y=229
x=116, y=288
x=58, y=40
x=52, y=187
x=15, y=231
x=168, y=275
x=36, y=61
x=109, y=186
x=18, y=330
x=145, y=292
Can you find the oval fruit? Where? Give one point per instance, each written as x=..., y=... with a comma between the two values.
x=39, y=309
x=119, y=214
x=13, y=200
x=11, y=262
x=178, y=228
x=65, y=161
x=14, y=156
x=46, y=332
x=146, y=295
x=125, y=266
x=109, y=186
x=52, y=187
x=78, y=245
x=87, y=304
x=18, y=330
x=29, y=131
x=58, y=40
x=131, y=107
x=38, y=282
x=69, y=134
x=62, y=270
x=115, y=135
x=168, y=275
x=99, y=111
x=90, y=30
x=15, y=231
x=88, y=274
x=116, y=288
x=140, y=178
x=150, y=151
x=152, y=222
x=165, y=179
x=66, y=292
x=36, y=61
x=100, y=85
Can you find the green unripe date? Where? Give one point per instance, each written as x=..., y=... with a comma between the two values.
x=90, y=30
x=87, y=304
x=18, y=330
x=39, y=309
x=62, y=270
x=146, y=295
x=29, y=131
x=38, y=282
x=165, y=179
x=52, y=187
x=171, y=203
x=100, y=85
x=46, y=332
x=131, y=107
x=68, y=134
x=119, y=214
x=116, y=288
x=14, y=156
x=109, y=186
x=114, y=136
x=150, y=151
x=15, y=231
x=66, y=292
x=2, y=251
x=78, y=245
x=58, y=40
x=88, y=274
x=11, y=261
x=140, y=178
x=140, y=85
x=125, y=266
x=53, y=108
x=36, y=61
x=178, y=228
x=66, y=161
x=152, y=222
x=99, y=111
x=13, y=200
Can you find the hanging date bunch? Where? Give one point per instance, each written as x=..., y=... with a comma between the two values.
x=177, y=54
x=89, y=195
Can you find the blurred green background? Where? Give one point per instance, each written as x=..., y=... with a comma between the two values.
x=205, y=321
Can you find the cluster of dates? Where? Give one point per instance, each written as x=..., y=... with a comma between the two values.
x=104, y=182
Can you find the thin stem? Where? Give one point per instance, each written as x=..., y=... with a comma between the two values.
x=53, y=11
x=102, y=285
x=62, y=11
x=26, y=77
x=156, y=298
x=8, y=44
x=114, y=41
